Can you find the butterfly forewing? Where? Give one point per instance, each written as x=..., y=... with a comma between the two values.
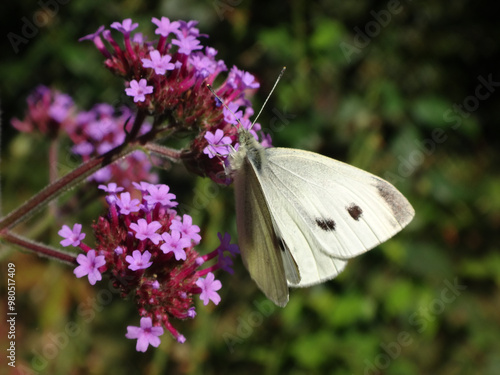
x=340, y=210
x=258, y=241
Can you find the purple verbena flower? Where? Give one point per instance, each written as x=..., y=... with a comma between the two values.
x=159, y=63
x=139, y=90
x=141, y=186
x=160, y=194
x=187, y=228
x=89, y=266
x=127, y=205
x=174, y=243
x=71, y=236
x=111, y=188
x=125, y=27
x=139, y=261
x=146, y=334
x=187, y=44
x=144, y=230
x=218, y=144
x=209, y=287
x=165, y=27
x=225, y=244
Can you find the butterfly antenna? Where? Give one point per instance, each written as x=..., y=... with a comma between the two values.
x=268, y=96
x=222, y=102
x=258, y=114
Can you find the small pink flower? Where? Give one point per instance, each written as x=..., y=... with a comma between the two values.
x=187, y=228
x=71, y=237
x=139, y=90
x=89, y=266
x=143, y=230
x=139, y=261
x=146, y=334
x=127, y=205
x=160, y=194
x=174, y=243
x=209, y=287
x=159, y=63
x=218, y=144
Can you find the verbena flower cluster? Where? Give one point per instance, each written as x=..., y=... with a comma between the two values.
x=101, y=129
x=49, y=112
x=168, y=77
x=93, y=133
x=149, y=252
x=145, y=247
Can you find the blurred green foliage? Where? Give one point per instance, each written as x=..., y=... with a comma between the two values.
x=389, y=105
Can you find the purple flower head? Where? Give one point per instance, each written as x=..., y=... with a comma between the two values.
x=111, y=188
x=188, y=28
x=242, y=80
x=230, y=112
x=209, y=287
x=71, y=236
x=125, y=27
x=139, y=90
x=187, y=44
x=218, y=144
x=160, y=194
x=61, y=107
x=94, y=35
x=141, y=186
x=127, y=205
x=174, y=243
x=139, y=261
x=144, y=230
x=84, y=148
x=187, y=228
x=165, y=27
x=146, y=334
x=159, y=63
x=89, y=266
x=225, y=244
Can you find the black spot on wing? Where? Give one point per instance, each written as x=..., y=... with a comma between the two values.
x=326, y=224
x=355, y=211
x=281, y=243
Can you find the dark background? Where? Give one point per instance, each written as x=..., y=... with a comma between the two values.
x=388, y=107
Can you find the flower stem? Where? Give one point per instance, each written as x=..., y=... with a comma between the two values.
x=165, y=152
x=64, y=183
x=38, y=248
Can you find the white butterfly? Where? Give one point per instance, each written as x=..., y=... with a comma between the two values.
x=301, y=215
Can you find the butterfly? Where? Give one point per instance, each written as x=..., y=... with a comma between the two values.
x=301, y=216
